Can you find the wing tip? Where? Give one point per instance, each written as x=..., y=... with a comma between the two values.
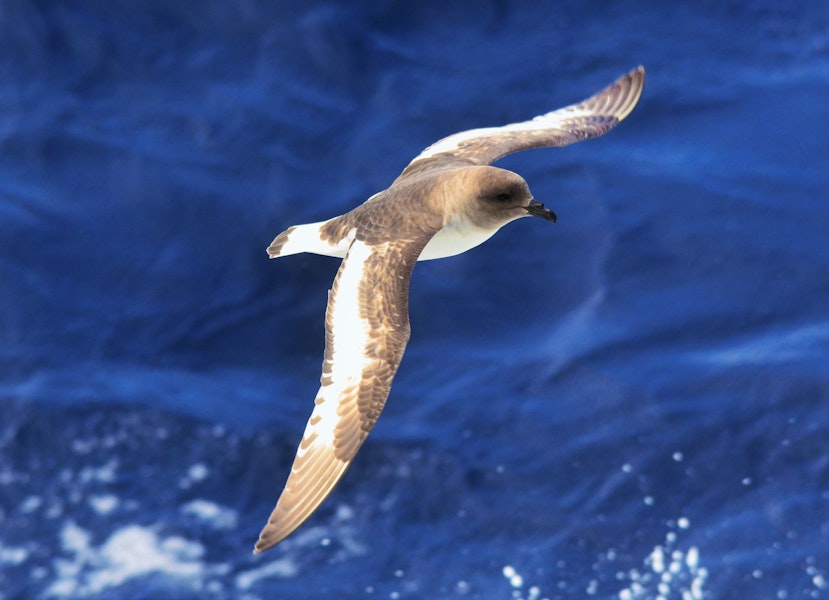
x=268, y=538
x=304, y=492
x=619, y=98
x=275, y=531
x=631, y=85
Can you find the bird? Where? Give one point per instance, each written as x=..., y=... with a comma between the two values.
x=448, y=200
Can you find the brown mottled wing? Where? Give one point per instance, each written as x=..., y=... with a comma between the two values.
x=366, y=331
x=590, y=118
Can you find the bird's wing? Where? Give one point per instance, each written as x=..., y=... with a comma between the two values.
x=366, y=331
x=590, y=118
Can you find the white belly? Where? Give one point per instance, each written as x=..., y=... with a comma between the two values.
x=452, y=240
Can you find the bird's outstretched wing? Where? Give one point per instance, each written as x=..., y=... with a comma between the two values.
x=366, y=331
x=590, y=118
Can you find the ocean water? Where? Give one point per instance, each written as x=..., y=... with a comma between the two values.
x=632, y=403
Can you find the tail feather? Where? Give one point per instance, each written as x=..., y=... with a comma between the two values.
x=307, y=238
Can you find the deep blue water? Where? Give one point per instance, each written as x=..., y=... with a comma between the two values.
x=632, y=403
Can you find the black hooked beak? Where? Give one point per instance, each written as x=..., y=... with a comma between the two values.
x=537, y=209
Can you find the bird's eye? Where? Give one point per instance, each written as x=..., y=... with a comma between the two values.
x=502, y=197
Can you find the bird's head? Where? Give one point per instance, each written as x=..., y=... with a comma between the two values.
x=501, y=196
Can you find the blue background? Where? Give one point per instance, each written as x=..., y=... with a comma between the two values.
x=632, y=403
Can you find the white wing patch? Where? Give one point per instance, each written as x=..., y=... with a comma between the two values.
x=318, y=465
x=349, y=338
x=552, y=120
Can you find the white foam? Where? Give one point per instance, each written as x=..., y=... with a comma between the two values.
x=133, y=551
x=281, y=567
x=220, y=517
x=103, y=474
x=692, y=558
x=816, y=576
x=31, y=504
x=12, y=555
x=130, y=552
x=516, y=581
x=103, y=504
x=670, y=572
x=196, y=473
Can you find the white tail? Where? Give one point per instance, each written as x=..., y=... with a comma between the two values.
x=307, y=238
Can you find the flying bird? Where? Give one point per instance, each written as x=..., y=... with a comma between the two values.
x=446, y=201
